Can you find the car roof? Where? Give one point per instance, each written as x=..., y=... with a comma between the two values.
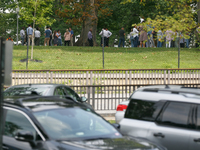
x=39, y=103
x=171, y=93
x=40, y=84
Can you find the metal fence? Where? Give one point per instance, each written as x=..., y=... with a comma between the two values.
x=105, y=89
x=107, y=77
x=107, y=97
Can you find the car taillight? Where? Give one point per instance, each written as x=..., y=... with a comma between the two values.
x=121, y=107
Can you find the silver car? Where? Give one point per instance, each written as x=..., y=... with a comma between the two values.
x=121, y=108
x=167, y=116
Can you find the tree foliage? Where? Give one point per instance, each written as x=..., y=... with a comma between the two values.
x=36, y=12
x=8, y=17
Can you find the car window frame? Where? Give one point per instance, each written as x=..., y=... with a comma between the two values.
x=66, y=87
x=189, y=118
x=158, y=109
x=27, y=117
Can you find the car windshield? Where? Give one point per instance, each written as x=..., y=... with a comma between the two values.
x=75, y=124
x=17, y=91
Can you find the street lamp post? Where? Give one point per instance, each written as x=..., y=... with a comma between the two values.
x=17, y=10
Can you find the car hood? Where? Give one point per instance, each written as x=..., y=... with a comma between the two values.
x=124, y=143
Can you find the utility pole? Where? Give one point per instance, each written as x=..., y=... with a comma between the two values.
x=1, y=89
x=6, y=48
x=103, y=46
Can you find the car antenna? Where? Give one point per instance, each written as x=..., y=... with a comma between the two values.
x=167, y=86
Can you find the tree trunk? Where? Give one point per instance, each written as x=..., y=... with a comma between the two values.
x=89, y=23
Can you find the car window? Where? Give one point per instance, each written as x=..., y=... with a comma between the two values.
x=143, y=110
x=72, y=93
x=59, y=91
x=176, y=114
x=16, y=121
x=17, y=91
x=74, y=123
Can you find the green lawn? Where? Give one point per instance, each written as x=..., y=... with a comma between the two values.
x=115, y=58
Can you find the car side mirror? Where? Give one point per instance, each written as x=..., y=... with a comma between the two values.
x=116, y=125
x=83, y=99
x=23, y=135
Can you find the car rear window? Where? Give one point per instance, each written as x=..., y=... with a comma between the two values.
x=17, y=91
x=143, y=110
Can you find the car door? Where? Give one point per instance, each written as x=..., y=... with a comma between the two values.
x=194, y=140
x=173, y=126
x=15, y=121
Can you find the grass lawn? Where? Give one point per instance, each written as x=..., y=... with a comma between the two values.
x=115, y=58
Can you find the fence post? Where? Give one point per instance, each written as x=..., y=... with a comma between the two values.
x=168, y=76
x=47, y=77
x=93, y=97
x=51, y=77
x=91, y=78
x=165, y=77
x=126, y=78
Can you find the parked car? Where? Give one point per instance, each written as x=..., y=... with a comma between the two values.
x=167, y=116
x=121, y=108
x=52, y=123
x=44, y=90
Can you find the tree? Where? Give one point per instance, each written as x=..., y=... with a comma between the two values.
x=7, y=17
x=83, y=13
x=36, y=12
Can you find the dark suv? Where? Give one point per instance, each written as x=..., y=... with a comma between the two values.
x=51, y=123
x=164, y=115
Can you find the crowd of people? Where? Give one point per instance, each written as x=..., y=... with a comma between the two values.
x=139, y=37
x=150, y=38
x=51, y=37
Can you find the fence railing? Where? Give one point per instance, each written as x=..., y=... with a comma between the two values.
x=107, y=97
x=107, y=77
x=105, y=89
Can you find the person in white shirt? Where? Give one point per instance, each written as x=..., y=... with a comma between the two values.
x=37, y=37
x=107, y=34
x=135, y=35
x=22, y=34
x=103, y=34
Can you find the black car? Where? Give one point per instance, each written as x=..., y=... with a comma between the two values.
x=51, y=123
x=60, y=90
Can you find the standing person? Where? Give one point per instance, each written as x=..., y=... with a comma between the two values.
x=182, y=41
x=47, y=34
x=121, y=37
x=67, y=36
x=131, y=38
x=159, y=37
x=150, y=36
x=72, y=34
x=90, y=38
x=143, y=37
x=50, y=40
x=103, y=35
x=55, y=37
x=37, y=37
x=59, y=38
x=135, y=35
x=168, y=38
x=22, y=35
x=9, y=38
x=107, y=34
x=29, y=32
